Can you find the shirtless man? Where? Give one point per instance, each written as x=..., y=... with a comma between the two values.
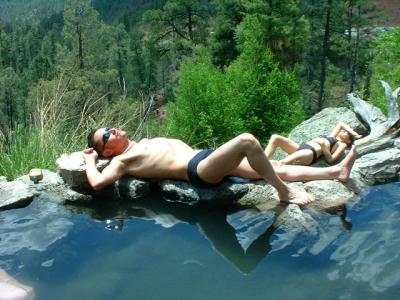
x=164, y=158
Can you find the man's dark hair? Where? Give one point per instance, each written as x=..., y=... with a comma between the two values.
x=92, y=143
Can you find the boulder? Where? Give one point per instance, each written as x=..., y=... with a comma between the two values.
x=184, y=192
x=15, y=194
x=378, y=163
x=374, y=168
x=324, y=122
x=71, y=167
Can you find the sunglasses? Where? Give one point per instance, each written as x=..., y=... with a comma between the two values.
x=106, y=135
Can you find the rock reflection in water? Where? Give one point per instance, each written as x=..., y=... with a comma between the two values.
x=371, y=253
x=351, y=253
x=240, y=235
x=34, y=228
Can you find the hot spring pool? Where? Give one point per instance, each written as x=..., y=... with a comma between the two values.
x=151, y=249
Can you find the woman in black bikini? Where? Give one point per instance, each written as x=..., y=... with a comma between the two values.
x=331, y=146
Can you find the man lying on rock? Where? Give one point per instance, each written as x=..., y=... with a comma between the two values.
x=165, y=158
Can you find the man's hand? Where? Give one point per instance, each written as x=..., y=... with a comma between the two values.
x=90, y=154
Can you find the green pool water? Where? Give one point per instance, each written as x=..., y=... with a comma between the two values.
x=152, y=249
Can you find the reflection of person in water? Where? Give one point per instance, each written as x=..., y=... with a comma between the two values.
x=211, y=222
x=11, y=289
x=341, y=212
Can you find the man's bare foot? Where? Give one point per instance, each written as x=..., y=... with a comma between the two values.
x=346, y=165
x=294, y=196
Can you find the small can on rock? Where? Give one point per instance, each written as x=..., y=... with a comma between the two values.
x=35, y=175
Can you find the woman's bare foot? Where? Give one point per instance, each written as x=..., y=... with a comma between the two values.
x=346, y=165
x=294, y=196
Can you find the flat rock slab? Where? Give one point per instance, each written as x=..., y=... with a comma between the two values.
x=15, y=194
x=184, y=192
x=20, y=192
x=376, y=168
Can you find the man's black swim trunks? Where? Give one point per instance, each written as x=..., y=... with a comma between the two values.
x=192, y=168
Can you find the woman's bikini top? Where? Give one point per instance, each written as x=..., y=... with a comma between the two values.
x=332, y=141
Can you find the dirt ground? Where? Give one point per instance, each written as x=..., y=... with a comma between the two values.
x=392, y=9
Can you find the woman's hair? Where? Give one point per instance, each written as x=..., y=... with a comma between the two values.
x=352, y=139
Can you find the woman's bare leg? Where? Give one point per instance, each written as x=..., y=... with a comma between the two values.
x=302, y=157
x=282, y=142
x=225, y=159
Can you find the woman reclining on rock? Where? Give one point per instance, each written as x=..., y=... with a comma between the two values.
x=331, y=146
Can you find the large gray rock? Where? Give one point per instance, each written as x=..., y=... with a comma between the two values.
x=368, y=170
x=374, y=168
x=132, y=188
x=71, y=167
x=20, y=192
x=324, y=122
x=328, y=193
x=15, y=194
x=180, y=191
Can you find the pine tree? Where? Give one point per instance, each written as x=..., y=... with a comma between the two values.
x=285, y=30
x=229, y=14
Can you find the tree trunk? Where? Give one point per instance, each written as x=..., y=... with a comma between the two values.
x=325, y=48
x=310, y=54
x=190, y=23
x=383, y=131
x=121, y=80
x=80, y=47
x=1, y=47
x=355, y=55
x=10, y=108
x=349, y=32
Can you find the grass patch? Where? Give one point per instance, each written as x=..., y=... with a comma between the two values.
x=27, y=148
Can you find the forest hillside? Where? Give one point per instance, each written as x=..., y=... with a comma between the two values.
x=199, y=70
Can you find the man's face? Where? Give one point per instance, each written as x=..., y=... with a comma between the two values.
x=110, y=139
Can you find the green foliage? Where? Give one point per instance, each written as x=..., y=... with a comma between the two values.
x=222, y=44
x=252, y=95
x=203, y=115
x=283, y=28
x=12, y=106
x=59, y=128
x=29, y=12
x=28, y=148
x=385, y=66
x=270, y=97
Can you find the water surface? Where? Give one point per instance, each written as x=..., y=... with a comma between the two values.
x=151, y=249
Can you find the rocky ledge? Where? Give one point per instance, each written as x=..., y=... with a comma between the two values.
x=378, y=162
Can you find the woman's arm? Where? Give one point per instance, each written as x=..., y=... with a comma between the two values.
x=336, y=155
x=341, y=125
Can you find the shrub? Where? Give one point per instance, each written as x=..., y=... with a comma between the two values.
x=203, y=114
x=385, y=66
